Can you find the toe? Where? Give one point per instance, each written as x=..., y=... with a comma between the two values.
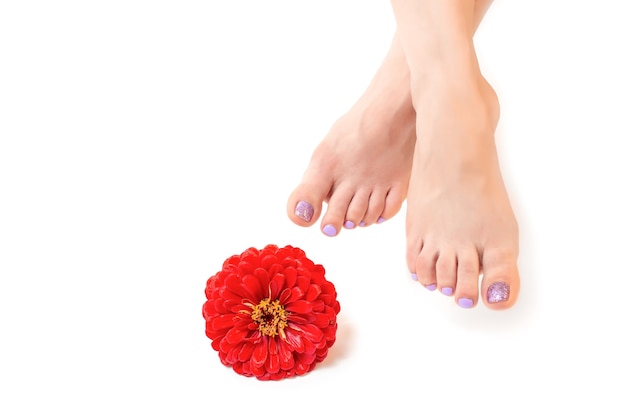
x=375, y=207
x=304, y=205
x=357, y=208
x=446, y=271
x=500, y=285
x=425, y=268
x=468, y=270
x=393, y=202
x=335, y=215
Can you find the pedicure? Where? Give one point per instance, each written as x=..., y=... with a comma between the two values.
x=329, y=230
x=431, y=287
x=466, y=302
x=447, y=291
x=380, y=220
x=498, y=292
x=414, y=277
x=348, y=224
x=361, y=223
x=304, y=210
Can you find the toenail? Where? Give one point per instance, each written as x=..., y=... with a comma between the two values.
x=414, y=277
x=380, y=220
x=498, y=292
x=361, y=223
x=329, y=230
x=466, y=302
x=431, y=287
x=304, y=210
x=447, y=291
x=348, y=224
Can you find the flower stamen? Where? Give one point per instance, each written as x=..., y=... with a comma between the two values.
x=271, y=317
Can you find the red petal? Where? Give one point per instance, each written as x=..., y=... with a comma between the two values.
x=284, y=355
x=245, y=268
x=309, y=331
x=275, y=269
x=296, y=294
x=318, y=305
x=303, y=282
x=313, y=292
x=272, y=365
x=321, y=320
x=268, y=261
x=259, y=355
x=236, y=335
x=301, y=368
x=300, y=306
x=222, y=322
x=294, y=339
x=291, y=277
x=284, y=296
x=301, y=318
x=246, y=352
x=208, y=310
x=253, y=287
x=276, y=286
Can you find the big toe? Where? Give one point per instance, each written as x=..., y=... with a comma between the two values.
x=501, y=282
x=304, y=205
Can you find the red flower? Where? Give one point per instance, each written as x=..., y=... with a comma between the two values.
x=271, y=313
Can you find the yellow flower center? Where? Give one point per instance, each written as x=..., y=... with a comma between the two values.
x=271, y=317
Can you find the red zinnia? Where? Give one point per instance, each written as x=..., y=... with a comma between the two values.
x=271, y=313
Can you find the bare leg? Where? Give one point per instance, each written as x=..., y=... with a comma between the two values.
x=459, y=219
x=361, y=169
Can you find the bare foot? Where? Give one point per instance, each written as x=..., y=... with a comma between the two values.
x=361, y=168
x=460, y=223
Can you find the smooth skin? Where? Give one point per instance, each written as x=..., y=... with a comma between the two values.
x=460, y=226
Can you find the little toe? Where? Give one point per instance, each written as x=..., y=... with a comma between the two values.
x=501, y=282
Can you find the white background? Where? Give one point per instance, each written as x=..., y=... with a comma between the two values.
x=144, y=142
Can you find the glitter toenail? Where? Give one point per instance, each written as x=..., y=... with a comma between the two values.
x=466, y=302
x=380, y=220
x=304, y=210
x=498, y=292
x=447, y=291
x=348, y=224
x=329, y=230
x=414, y=277
x=431, y=287
x=361, y=223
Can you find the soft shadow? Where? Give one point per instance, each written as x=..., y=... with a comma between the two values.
x=342, y=346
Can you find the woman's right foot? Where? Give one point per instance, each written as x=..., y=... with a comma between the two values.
x=462, y=235
x=361, y=168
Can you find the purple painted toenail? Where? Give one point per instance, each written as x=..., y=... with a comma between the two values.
x=361, y=223
x=431, y=287
x=329, y=230
x=304, y=210
x=380, y=220
x=498, y=292
x=348, y=224
x=414, y=277
x=447, y=291
x=466, y=302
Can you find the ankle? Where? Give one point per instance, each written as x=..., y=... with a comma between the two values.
x=466, y=93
